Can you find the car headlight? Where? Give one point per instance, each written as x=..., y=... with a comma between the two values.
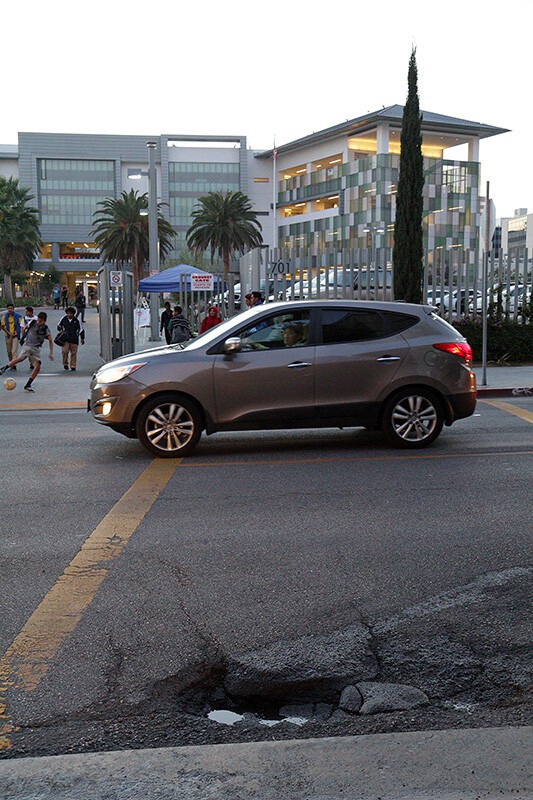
x=114, y=374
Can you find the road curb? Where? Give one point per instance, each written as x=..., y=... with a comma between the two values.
x=420, y=765
x=516, y=392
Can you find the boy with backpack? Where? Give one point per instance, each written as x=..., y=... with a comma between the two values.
x=178, y=327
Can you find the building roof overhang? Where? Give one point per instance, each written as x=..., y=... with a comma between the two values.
x=460, y=129
x=9, y=151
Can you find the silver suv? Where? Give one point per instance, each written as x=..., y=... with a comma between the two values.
x=306, y=364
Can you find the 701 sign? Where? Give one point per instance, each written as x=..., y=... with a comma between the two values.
x=279, y=267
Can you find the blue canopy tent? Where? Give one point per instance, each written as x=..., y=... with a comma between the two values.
x=175, y=279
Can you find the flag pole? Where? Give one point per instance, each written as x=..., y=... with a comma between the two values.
x=274, y=200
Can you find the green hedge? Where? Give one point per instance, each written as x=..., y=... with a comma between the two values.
x=507, y=342
x=22, y=302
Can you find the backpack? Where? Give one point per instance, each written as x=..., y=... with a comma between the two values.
x=180, y=330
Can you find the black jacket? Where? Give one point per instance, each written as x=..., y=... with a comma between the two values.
x=74, y=329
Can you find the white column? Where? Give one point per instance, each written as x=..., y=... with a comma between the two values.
x=473, y=149
x=382, y=137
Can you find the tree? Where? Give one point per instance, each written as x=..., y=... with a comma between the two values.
x=121, y=231
x=224, y=224
x=408, y=242
x=20, y=239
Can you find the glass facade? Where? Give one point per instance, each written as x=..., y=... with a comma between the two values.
x=189, y=180
x=70, y=189
x=363, y=191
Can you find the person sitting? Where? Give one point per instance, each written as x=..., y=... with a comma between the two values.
x=294, y=333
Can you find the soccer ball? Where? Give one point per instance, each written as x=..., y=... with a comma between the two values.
x=9, y=383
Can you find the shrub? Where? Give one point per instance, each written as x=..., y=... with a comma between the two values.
x=508, y=342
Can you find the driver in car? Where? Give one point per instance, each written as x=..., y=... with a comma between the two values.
x=294, y=333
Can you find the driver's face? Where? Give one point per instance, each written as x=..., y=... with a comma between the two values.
x=290, y=337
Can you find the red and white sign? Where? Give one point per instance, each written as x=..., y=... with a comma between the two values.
x=201, y=283
x=115, y=278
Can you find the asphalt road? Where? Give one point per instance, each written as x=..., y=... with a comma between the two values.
x=257, y=540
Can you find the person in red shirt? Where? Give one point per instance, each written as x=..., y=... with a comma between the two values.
x=210, y=320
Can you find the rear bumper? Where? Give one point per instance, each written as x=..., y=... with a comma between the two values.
x=461, y=406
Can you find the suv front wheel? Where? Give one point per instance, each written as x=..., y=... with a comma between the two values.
x=413, y=418
x=169, y=426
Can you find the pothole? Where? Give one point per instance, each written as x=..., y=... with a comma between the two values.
x=268, y=718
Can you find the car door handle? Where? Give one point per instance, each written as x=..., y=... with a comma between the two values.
x=389, y=359
x=299, y=364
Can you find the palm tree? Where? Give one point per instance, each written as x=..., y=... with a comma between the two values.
x=224, y=224
x=20, y=239
x=121, y=231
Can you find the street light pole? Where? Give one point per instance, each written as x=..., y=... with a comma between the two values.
x=153, y=251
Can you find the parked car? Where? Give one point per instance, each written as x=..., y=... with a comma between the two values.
x=337, y=284
x=397, y=367
x=441, y=300
x=237, y=291
x=512, y=297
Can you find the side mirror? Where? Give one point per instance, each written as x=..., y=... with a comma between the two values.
x=232, y=345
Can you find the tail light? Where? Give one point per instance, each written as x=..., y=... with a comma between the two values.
x=461, y=349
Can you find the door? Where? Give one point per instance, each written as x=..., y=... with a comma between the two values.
x=271, y=379
x=357, y=356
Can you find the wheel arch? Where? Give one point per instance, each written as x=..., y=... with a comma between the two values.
x=409, y=387
x=164, y=393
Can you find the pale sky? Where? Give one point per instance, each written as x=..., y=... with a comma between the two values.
x=282, y=69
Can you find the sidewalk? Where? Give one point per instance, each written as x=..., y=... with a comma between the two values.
x=467, y=764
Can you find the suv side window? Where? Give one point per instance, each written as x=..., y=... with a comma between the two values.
x=289, y=329
x=340, y=325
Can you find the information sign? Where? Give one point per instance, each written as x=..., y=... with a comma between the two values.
x=201, y=283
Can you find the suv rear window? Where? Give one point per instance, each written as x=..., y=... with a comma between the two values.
x=397, y=322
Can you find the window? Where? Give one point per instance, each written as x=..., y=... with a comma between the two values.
x=455, y=178
x=396, y=323
x=339, y=325
x=276, y=332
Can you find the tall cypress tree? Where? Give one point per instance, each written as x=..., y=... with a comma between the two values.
x=408, y=246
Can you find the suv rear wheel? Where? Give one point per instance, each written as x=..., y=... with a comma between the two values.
x=413, y=418
x=169, y=426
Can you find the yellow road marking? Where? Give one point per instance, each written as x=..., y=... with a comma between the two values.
x=516, y=410
x=29, y=657
x=43, y=406
x=287, y=462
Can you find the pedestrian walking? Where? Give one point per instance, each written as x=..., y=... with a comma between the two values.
x=32, y=341
x=210, y=320
x=12, y=328
x=166, y=316
x=64, y=297
x=75, y=332
x=180, y=330
x=81, y=305
x=56, y=297
x=254, y=299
